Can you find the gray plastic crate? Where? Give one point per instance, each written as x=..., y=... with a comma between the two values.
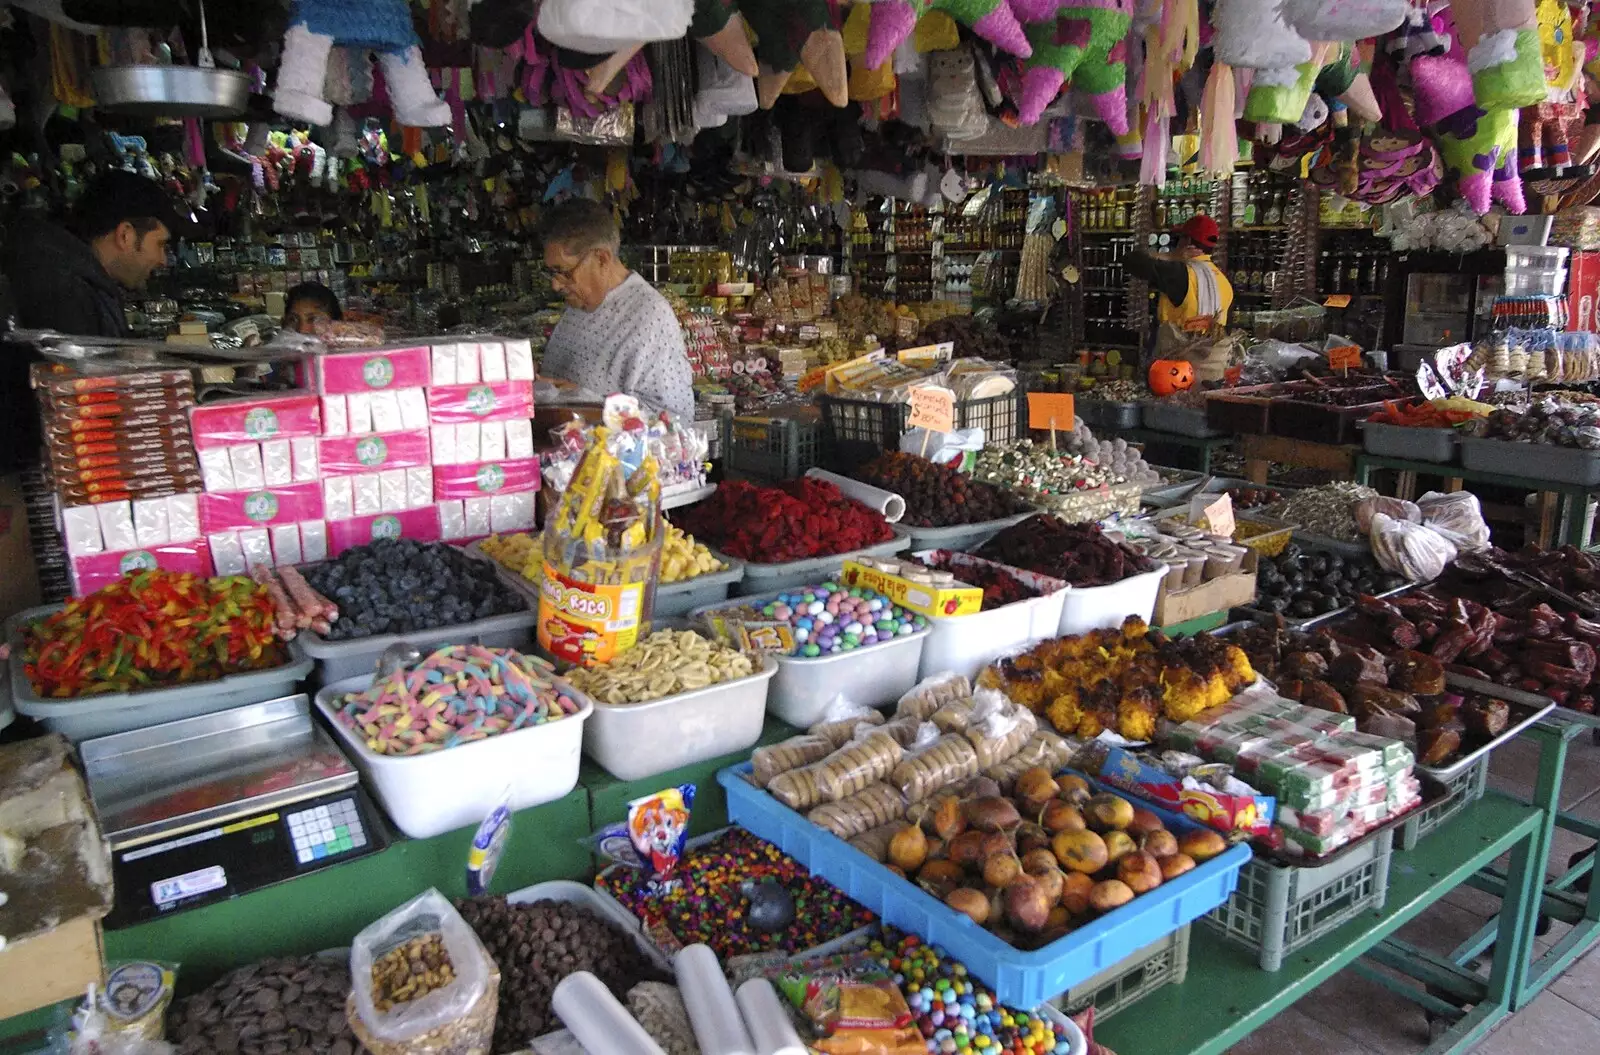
x=1178, y=419
x=769, y=578
x=960, y=537
x=1531, y=461
x=1277, y=909
x=337, y=660
x=768, y=449
x=681, y=598
x=1125, y=983
x=1460, y=793
x=108, y=713
x=1400, y=441
x=1104, y=414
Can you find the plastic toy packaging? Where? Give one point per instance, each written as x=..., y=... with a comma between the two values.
x=602, y=545
x=126, y=1017
x=422, y=982
x=653, y=836
x=852, y=1004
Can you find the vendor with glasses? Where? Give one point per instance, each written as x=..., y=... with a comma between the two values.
x=618, y=334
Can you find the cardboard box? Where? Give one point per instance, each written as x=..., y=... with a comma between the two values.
x=1218, y=595
x=50, y=967
x=936, y=601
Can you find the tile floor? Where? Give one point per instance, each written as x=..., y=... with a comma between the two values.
x=1350, y=1015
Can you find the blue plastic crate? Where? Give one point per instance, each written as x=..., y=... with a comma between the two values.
x=1019, y=979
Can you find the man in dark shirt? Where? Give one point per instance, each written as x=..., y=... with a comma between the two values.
x=73, y=282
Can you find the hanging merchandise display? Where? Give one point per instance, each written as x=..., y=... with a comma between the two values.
x=381, y=26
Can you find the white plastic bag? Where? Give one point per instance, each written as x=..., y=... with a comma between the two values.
x=1458, y=517
x=426, y=914
x=958, y=449
x=599, y=27
x=1344, y=19
x=1414, y=550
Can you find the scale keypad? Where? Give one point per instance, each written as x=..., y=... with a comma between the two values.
x=326, y=831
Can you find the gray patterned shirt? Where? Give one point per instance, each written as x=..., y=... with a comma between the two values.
x=631, y=343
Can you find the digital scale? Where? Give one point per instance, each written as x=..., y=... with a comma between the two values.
x=208, y=808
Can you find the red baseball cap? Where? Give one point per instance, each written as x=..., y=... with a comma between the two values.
x=1201, y=229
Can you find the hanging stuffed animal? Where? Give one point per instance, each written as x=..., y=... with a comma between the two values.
x=1501, y=38
x=1252, y=34
x=1480, y=147
x=990, y=19
x=1547, y=129
x=1279, y=95
x=611, y=30
x=718, y=25
x=383, y=26
x=1085, y=44
x=1344, y=20
x=792, y=32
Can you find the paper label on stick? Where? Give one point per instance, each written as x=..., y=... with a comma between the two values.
x=933, y=408
x=1344, y=357
x=1213, y=513
x=1047, y=410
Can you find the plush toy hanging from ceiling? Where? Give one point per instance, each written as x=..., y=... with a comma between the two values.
x=990, y=19
x=1253, y=34
x=1085, y=44
x=1549, y=128
x=383, y=26
x=1344, y=20
x=791, y=32
x=612, y=31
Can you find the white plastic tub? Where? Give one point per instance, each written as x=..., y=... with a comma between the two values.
x=636, y=740
x=874, y=676
x=770, y=578
x=602, y=905
x=1548, y=282
x=1096, y=607
x=427, y=795
x=961, y=536
x=968, y=643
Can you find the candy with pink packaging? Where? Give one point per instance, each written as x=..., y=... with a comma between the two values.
x=477, y=479
x=95, y=570
x=227, y=510
x=370, y=370
x=465, y=404
x=256, y=420
x=419, y=524
x=347, y=455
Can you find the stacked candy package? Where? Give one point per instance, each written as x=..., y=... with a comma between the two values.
x=1332, y=783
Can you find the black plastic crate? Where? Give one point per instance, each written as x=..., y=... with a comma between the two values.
x=854, y=431
x=767, y=449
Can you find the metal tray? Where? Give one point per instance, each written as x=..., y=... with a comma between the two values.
x=196, y=771
x=1526, y=709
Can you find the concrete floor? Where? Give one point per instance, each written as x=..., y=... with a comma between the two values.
x=1350, y=1015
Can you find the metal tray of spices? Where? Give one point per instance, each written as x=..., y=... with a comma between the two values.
x=197, y=771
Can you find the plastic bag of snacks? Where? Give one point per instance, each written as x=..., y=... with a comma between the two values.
x=875, y=805
x=1458, y=517
x=840, y=719
x=908, y=730
x=422, y=983
x=1044, y=748
x=1001, y=735
x=602, y=544
x=931, y=693
x=945, y=761
x=862, y=762
x=775, y=759
x=1414, y=550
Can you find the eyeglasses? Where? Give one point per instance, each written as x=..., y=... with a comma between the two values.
x=564, y=273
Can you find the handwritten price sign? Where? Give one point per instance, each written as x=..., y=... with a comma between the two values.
x=933, y=408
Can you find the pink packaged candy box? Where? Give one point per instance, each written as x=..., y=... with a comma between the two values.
x=477, y=479
x=370, y=370
x=465, y=404
x=255, y=420
x=91, y=572
x=419, y=524
x=227, y=510
x=347, y=455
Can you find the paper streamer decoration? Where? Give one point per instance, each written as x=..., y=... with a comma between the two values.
x=709, y=1001
x=767, y=1020
x=891, y=505
x=601, y=1024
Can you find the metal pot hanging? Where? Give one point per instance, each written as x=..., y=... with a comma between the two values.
x=200, y=90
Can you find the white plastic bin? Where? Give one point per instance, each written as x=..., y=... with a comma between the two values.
x=636, y=740
x=87, y=717
x=968, y=643
x=427, y=795
x=1096, y=607
x=875, y=676
x=1534, y=257
x=1538, y=282
x=960, y=536
x=681, y=598
x=358, y=656
x=770, y=578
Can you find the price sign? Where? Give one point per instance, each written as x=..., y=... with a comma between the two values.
x=1213, y=513
x=1344, y=357
x=933, y=408
x=1337, y=300
x=1051, y=410
x=927, y=354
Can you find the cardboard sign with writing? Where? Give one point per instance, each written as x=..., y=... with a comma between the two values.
x=1213, y=513
x=1344, y=357
x=1337, y=300
x=1048, y=410
x=927, y=354
x=933, y=408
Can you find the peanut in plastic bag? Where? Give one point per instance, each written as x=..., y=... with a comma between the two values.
x=404, y=1024
x=931, y=693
